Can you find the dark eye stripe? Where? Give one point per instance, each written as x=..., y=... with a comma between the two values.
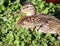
x=27, y=7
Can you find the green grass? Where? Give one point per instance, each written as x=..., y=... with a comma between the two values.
x=11, y=36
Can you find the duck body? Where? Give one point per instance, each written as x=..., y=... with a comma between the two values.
x=41, y=23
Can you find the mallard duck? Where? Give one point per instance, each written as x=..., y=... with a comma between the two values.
x=38, y=22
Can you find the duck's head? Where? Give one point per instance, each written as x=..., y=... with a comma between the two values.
x=28, y=9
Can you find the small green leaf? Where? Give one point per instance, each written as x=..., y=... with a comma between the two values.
x=1, y=2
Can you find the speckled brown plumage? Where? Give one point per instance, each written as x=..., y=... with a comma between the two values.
x=41, y=23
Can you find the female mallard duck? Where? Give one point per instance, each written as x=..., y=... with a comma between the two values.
x=41, y=23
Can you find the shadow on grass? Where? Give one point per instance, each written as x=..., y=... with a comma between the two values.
x=22, y=1
x=57, y=13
